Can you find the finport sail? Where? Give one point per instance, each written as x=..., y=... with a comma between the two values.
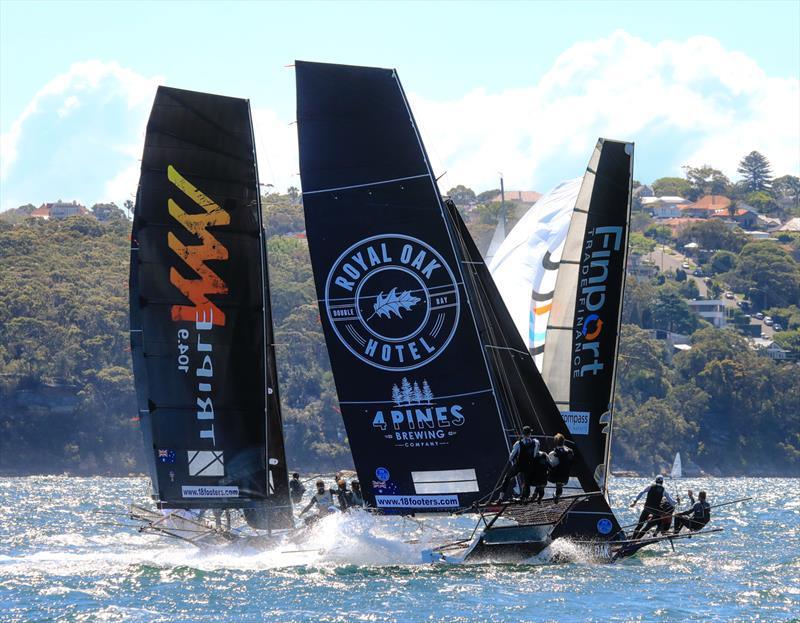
x=201, y=329
x=580, y=354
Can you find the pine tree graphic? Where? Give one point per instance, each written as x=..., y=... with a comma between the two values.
x=406, y=391
x=427, y=394
x=396, y=397
x=417, y=393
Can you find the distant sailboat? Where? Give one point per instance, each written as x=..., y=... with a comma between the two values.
x=677, y=468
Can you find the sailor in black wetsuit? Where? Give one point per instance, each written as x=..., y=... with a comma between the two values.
x=560, y=459
x=664, y=520
x=520, y=460
x=536, y=475
x=296, y=488
x=651, y=513
x=344, y=496
x=696, y=517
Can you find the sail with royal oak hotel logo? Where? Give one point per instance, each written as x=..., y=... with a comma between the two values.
x=424, y=356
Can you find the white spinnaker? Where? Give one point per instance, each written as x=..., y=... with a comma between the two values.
x=525, y=265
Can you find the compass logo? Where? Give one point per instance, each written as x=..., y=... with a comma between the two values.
x=392, y=301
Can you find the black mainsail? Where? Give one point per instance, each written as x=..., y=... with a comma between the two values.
x=433, y=379
x=201, y=330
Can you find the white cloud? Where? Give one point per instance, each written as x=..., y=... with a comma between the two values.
x=50, y=139
x=69, y=103
x=690, y=102
x=683, y=102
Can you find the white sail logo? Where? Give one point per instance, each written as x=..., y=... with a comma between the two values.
x=392, y=301
x=416, y=418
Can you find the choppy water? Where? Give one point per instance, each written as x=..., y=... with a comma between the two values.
x=61, y=561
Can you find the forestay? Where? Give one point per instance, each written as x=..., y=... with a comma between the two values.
x=200, y=326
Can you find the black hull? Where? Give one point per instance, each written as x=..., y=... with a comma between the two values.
x=512, y=544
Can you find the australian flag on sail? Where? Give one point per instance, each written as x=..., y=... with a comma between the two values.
x=166, y=456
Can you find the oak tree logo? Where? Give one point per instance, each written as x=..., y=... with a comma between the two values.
x=392, y=301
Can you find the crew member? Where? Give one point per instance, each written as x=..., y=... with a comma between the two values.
x=665, y=516
x=560, y=458
x=536, y=475
x=323, y=500
x=296, y=488
x=520, y=459
x=344, y=496
x=652, y=504
x=355, y=493
x=696, y=517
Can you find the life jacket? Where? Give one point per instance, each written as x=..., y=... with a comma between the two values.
x=527, y=453
x=357, y=498
x=345, y=499
x=654, y=495
x=701, y=513
x=324, y=501
x=560, y=473
x=537, y=472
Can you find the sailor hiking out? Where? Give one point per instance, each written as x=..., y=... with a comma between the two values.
x=323, y=501
x=560, y=458
x=652, y=514
x=696, y=517
x=520, y=462
x=357, y=498
x=343, y=496
x=296, y=488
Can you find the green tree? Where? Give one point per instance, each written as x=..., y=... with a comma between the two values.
x=755, y=171
x=768, y=268
x=712, y=234
x=789, y=340
x=639, y=299
x=488, y=195
x=661, y=233
x=762, y=201
x=722, y=262
x=706, y=180
x=462, y=195
x=671, y=312
x=787, y=188
x=642, y=370
x=671, y=187
x=641, y=244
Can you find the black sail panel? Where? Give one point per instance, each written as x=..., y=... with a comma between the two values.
x=416, y=396
x=583, y=330
x=198, y=280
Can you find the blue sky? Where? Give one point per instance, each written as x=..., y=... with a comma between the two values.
x=523, y=88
